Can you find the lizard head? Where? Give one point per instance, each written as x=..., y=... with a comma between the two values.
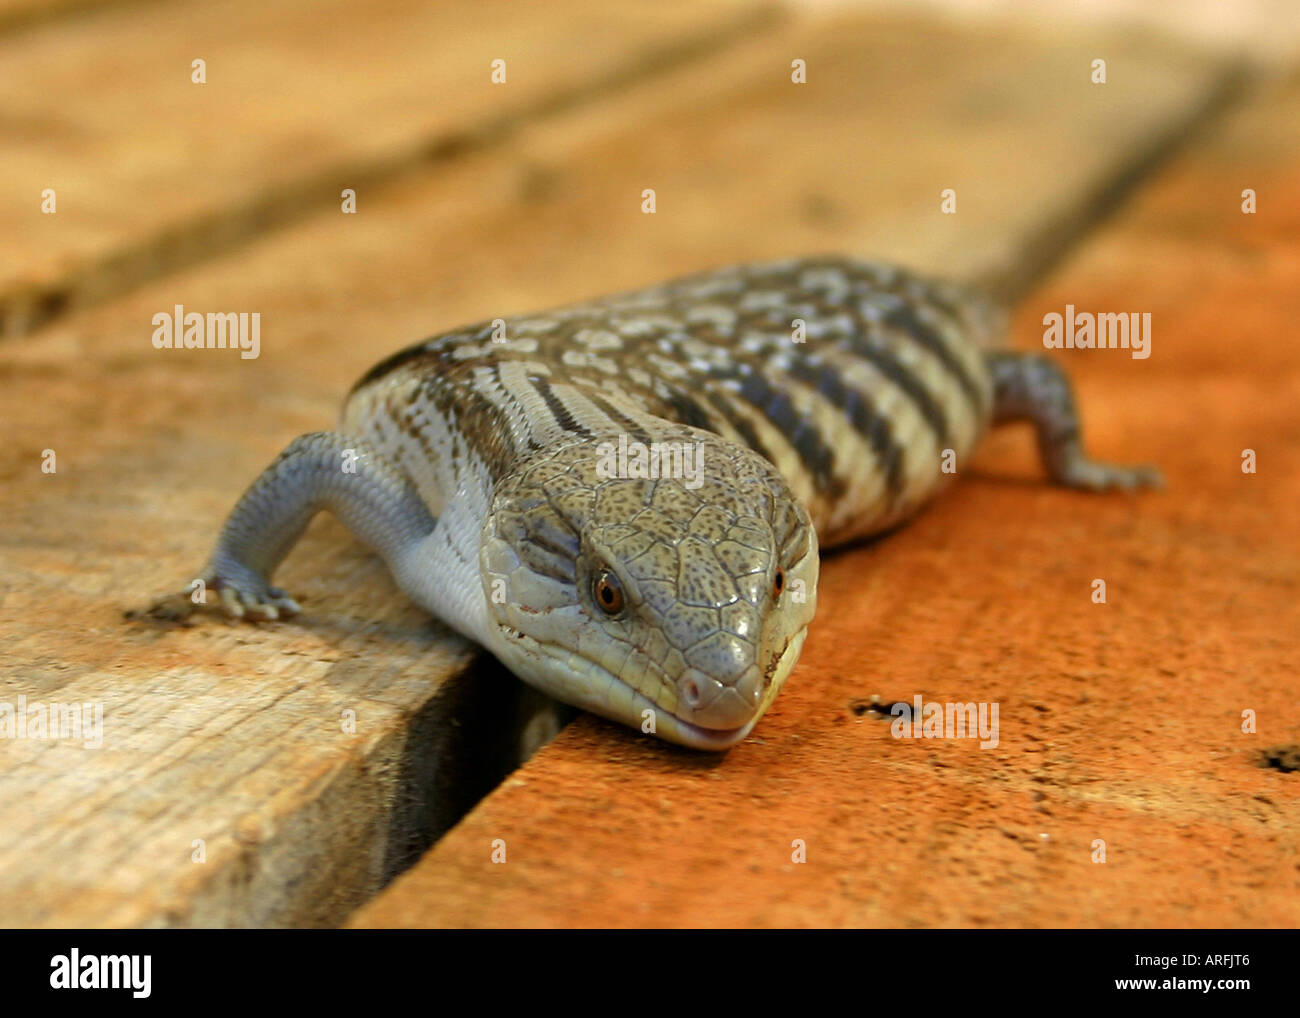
x=667, y=584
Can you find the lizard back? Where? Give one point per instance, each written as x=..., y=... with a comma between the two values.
x=851, y=377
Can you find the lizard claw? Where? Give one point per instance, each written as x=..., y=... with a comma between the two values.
x=250, y=597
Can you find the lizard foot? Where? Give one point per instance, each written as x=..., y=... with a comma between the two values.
x=240, y=594
x=1090, y=475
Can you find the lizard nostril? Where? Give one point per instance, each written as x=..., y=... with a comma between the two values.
x=691, y=693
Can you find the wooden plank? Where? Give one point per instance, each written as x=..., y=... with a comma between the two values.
x=302, y=98
x=1120, y=723
x=231, y=734
x=1033, y=150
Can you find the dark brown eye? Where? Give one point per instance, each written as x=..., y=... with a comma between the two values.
x=609, y=595
x=778, y=583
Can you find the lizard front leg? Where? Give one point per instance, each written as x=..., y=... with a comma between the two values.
x=1030, y=386
x=322, y=470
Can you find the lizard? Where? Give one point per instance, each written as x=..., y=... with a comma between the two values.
x=624, y=500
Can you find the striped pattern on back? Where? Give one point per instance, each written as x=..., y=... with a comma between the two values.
x=889, y=373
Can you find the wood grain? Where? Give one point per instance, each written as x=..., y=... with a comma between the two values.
x=302, y=98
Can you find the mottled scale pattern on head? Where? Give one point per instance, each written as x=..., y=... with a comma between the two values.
x=695, y=564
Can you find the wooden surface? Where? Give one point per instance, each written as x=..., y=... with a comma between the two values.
x=1120, y=722
x=232, y=734
x=302, y=98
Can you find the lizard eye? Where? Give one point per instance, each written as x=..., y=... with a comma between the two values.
x=778, y=584
x=608, y=593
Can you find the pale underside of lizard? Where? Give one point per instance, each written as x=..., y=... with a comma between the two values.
x=624, y=499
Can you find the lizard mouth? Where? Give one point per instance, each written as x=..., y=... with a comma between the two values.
x=667, y=725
